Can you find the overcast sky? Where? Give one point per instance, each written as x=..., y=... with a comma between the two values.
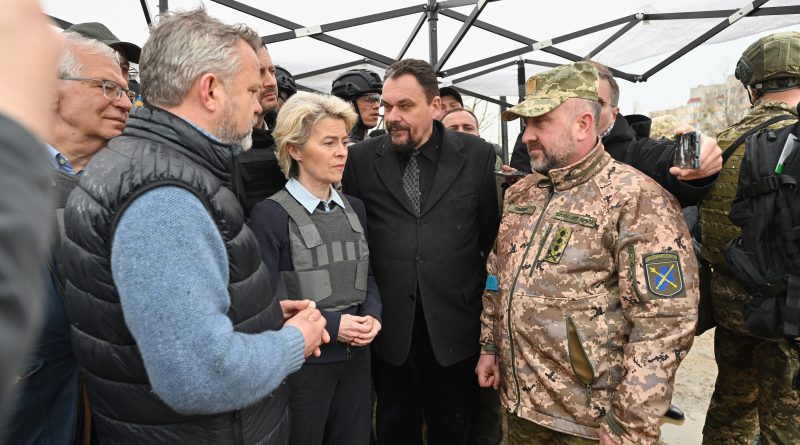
x=668, y=88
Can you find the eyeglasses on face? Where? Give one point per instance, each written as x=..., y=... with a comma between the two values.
x=372, y=98
x=603, y=103
x=111, y=90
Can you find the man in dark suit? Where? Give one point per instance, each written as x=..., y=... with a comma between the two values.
x=431, y=202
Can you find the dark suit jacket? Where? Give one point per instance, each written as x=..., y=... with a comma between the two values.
x=443, y=251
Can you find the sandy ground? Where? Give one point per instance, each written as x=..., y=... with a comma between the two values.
x=694, y=384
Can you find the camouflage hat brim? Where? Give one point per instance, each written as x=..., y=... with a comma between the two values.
x=531, y=108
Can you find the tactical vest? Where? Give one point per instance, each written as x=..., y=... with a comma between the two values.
x=159, y=149
x=329, y=255
x=717, y=229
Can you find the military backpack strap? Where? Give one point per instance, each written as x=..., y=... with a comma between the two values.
x=740, y=140
x=308, y=231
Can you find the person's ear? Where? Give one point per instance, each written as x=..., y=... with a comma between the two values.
x=295, y=153
x=584, y=126
x=209, y=91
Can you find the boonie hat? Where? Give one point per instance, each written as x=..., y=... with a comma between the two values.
x=98, y=31
x=545, y=91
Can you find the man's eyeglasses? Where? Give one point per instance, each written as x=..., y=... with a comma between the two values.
x=111, y=90
x=371, y=98
x=604, y=103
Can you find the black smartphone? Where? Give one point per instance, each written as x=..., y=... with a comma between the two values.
x=510, y=174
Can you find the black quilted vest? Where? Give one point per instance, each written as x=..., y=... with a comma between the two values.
x=158, y=148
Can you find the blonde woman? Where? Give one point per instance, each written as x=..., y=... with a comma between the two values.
x=313, y=241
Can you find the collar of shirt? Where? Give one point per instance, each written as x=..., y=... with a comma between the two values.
x=306, y=199
x=201, y=129
x=430, y=149
x=60, y=162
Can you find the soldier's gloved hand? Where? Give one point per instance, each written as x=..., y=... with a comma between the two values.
x=710, y=158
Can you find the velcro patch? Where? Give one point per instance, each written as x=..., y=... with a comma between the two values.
x=664, y=275
x=583, y=220
x=516, y=208
x=557, y=246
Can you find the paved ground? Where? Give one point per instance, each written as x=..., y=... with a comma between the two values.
x=694, y=384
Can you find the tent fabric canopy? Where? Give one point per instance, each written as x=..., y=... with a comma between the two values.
x=486, y=42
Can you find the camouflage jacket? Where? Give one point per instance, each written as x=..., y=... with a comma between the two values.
x=596, y=299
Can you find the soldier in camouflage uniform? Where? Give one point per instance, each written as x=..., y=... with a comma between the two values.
x=754, y=385
x=591, y=300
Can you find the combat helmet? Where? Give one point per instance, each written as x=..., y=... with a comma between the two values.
x=286, y=85
x=772, y=63
x=354, y=83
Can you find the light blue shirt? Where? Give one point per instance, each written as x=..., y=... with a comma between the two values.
x=60, y=162
x=170, y=267
x=309, y=201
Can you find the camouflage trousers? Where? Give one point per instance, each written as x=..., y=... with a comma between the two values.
x=754, y=390
x=525, y=432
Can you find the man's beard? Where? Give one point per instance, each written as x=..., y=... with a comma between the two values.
x=227, y=130
x=408, y=146
x=556, y=157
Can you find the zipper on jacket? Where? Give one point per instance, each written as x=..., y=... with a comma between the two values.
x=347, y=355
x=541, y=246
x=237, y=428
x=511, y=298
x=579, y=359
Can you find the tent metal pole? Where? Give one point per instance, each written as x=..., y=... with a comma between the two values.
x=521, y=81
x=482, y=72
x=330, y=69
x=639, y=17
x=480, y=96
x=512, y=35
x=433, y=35
x=542, y=63
x=745, y=11
x=146, y=10
x=314, y=33
x=349, y=23
x=163, y=6
x=486, y=61
x=504, y=131
x=723, y=13
x=413, y=35
x=476, y=11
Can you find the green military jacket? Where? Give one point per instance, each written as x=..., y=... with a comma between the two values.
x=716, y=228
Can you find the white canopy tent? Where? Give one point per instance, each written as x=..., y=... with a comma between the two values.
x=485, y=48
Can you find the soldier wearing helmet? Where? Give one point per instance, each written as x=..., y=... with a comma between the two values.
x=754, y=389
x=362, y=88
x=286, y=86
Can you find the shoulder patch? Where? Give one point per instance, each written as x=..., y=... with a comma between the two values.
x=664, y=275
x=583, y=220
x=516, y=208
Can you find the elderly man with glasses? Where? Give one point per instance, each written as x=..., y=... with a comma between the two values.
x=91, y=107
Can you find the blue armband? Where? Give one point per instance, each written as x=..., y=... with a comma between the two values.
x=491, y=283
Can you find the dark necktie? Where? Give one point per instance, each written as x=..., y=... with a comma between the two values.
x=411, y=181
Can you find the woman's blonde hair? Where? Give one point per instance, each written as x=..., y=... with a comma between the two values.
x=297, y=118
